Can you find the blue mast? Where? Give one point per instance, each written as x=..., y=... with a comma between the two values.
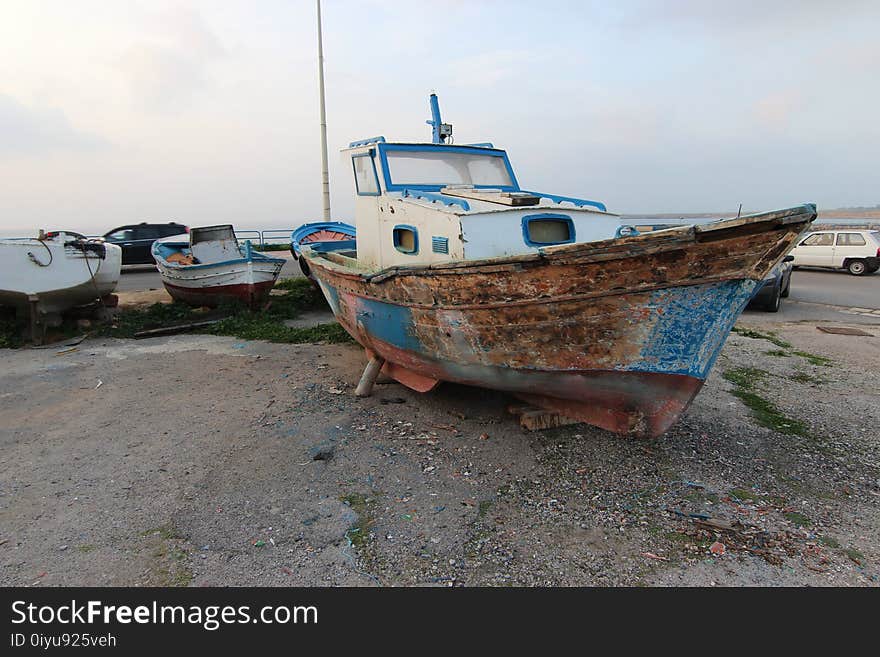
x=439, y=130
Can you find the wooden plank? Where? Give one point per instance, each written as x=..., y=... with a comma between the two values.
x=492, y=196
x=843, y=330
x=538, y=419
x=340, y=259
x=368, y=378
x=176, y=328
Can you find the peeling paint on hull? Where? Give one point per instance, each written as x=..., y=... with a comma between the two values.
x=621, y=334
x=671, y=343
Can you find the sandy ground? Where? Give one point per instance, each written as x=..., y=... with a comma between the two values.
x=198, y=460
x=142, y=298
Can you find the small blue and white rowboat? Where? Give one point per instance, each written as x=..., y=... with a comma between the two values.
x=212, y=267
x=319, y=232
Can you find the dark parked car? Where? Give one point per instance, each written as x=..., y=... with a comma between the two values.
x=774, y=287
x=137, y=239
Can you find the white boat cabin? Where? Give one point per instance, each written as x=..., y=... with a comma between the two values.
x=435, y=202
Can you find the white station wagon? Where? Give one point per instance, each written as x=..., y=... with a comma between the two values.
x=857, y=251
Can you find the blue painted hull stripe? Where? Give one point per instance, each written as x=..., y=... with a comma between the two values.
x=690, y=326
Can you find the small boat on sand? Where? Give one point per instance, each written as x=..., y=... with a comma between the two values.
x=209, y=267
x=48, y=275
x=318, y=231
x=459, y=274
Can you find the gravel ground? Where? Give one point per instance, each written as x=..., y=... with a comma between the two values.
x=199, y=460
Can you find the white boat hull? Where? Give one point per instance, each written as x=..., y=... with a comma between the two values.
x=211, y=284
x=52, y=276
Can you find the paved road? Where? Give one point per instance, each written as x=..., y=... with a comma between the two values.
x=837, y=288
x=824, y=295
x=136, y=277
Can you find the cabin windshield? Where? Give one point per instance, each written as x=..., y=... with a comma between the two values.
x=440, y=167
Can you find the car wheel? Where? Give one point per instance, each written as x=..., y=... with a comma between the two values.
x=773, y=303
x=787, y=289
x=856, y=267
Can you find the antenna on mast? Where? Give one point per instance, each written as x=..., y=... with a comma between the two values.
x=325, y=174
x=439, y=131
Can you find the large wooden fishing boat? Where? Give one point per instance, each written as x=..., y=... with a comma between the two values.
x=458, y=274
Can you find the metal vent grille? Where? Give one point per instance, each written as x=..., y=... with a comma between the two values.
x=440, y=244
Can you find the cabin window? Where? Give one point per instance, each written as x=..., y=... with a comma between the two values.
x=819, y=239
x=437, y=167
x=850, y=239
x=406, y=239
x=122, y=235
x=365, y=179
x=547, y=229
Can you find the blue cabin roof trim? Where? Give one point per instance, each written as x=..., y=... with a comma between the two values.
x=434, y=198
x=390, y=186
x=579, y=202
x=364, y=142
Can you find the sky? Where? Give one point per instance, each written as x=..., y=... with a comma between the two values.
x=117, y=111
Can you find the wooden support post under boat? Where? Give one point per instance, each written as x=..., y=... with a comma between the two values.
x=368, y=378
x=35, y=325
x=538, y=419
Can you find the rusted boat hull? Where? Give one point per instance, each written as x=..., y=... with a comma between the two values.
x=621, y=333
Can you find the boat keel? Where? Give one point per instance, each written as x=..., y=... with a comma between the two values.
x=621, y=415
x=411, y=379
x=630, y=403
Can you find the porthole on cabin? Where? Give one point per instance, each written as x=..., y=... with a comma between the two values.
x=366, y=181
x=547, y=229
x=406, y=239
